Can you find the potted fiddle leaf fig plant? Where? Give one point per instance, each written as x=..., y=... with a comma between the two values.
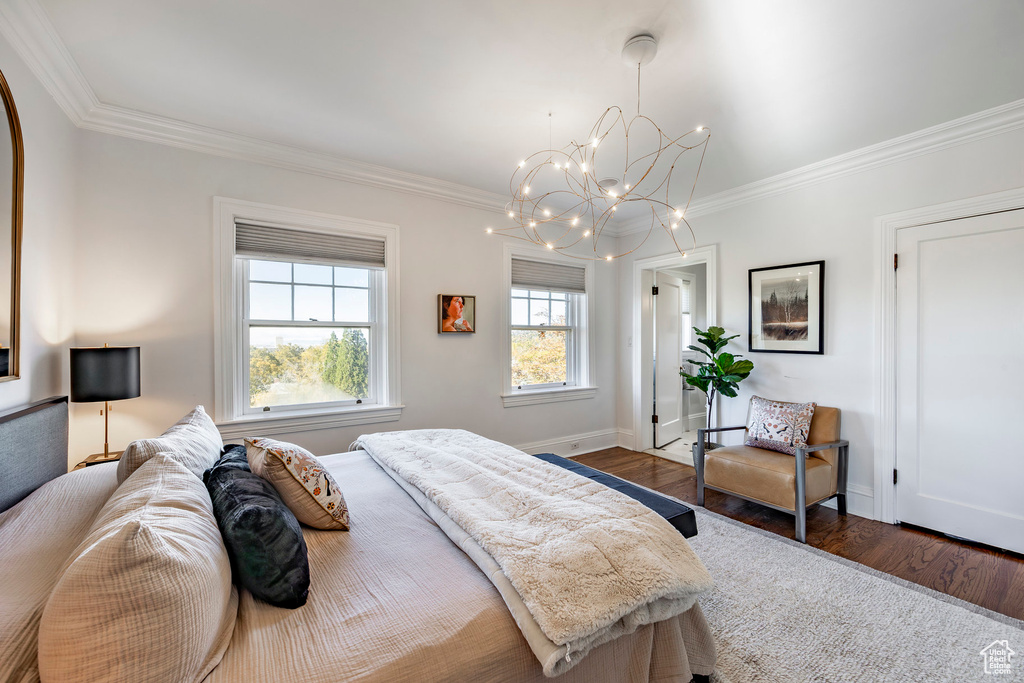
x=720, y=373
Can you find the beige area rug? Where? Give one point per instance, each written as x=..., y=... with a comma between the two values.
x=783, y=611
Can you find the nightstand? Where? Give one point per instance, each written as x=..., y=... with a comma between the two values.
x=97, y=458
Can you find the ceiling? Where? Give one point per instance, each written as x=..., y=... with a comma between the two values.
x=460, y=90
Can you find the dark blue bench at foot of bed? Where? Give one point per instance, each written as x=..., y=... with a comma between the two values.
x=677, y=514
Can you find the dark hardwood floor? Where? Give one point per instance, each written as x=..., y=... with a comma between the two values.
x=984, y=576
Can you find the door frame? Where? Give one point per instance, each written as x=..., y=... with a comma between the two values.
x=708, y=255
x=886, y=228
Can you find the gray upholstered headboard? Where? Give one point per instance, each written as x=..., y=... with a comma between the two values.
x=33, y=448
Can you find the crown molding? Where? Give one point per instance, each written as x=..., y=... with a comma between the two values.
x=29, y=31
x=995, y=121
x=165, y=131
x=26, y=26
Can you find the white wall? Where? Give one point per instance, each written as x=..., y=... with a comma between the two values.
x=144, y=276
x=48, y=225
x=834, y=221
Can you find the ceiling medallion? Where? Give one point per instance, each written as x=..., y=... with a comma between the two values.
x=562, y=199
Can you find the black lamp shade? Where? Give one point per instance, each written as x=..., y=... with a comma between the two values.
x=108, y=373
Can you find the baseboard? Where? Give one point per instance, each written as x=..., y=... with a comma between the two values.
x=695, y=421
x=625, y=439
x=860, y=501
x=577, y=444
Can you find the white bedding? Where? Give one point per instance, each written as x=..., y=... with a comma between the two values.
x=394, y=600
x=391, y=600
x=577, y=563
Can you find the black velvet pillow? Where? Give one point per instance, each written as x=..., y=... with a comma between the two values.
x=262, y=536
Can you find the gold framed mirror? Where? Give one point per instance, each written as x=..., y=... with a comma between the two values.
x=12, y=180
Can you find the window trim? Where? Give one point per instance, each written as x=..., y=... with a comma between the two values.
x=230, y=383
x=583, y=337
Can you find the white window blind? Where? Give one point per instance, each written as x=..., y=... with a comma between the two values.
x=260, y=241
x=548, y=276
x=684, y=298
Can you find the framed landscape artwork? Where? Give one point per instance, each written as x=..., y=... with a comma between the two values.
x=787, y=308
x=456, y=313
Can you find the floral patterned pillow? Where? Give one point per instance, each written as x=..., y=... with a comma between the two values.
x=779, y=426
x=308, y=489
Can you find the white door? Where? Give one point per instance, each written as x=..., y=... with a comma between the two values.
x=960, y=378
x=668, y=385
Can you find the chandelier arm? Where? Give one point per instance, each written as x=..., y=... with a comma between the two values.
x=667, y=181
x=642, y=242
x=555, y=217
x=675, y=242
x=574, y=182
x=688, y=133
x=570, y=245
x=695, y=177
x=670, y=141
x=656, y=155
x=557, y=240
x=625, y=160
x=654, y=163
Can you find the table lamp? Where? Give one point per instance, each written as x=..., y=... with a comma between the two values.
x=110, y=373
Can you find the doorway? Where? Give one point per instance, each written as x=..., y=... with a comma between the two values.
x=665, y=412
x=933, y=232
x=669, y=408
x=959, y=368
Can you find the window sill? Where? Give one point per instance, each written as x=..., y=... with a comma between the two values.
x=286, y=423
x=529, y=397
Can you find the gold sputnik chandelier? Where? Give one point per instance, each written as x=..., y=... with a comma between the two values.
x=562, y=199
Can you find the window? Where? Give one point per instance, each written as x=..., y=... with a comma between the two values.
x=548, y=336
x=687, y=326
x=542, y=338
x=310, y=330
x=307, y=319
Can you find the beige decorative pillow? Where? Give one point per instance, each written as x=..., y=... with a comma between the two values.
x=194, y=441
x=147, y=596
x=305, y=486
x=779, y=426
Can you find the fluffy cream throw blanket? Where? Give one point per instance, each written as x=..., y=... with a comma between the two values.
x=577, y=563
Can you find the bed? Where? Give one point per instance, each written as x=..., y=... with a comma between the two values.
x=393, y=599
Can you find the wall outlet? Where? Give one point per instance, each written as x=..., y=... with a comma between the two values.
x=574, y=445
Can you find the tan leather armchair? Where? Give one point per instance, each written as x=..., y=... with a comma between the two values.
x=791, y=484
